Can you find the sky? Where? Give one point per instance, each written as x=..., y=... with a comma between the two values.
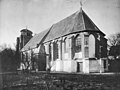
x=38, y=15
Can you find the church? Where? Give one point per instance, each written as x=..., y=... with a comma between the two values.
x=74, y=44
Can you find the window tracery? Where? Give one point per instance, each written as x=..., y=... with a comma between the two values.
x=78, y=43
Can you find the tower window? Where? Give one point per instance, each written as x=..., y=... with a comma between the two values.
x=28, y=34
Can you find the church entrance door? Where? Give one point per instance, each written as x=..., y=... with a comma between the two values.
x=79, y=66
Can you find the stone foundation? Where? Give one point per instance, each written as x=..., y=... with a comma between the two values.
x=71, y=66
x=65, y=66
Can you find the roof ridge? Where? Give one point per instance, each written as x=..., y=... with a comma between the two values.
x=83, y=20
x=95, y=26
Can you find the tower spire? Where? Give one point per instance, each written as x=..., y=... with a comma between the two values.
x=81, y=3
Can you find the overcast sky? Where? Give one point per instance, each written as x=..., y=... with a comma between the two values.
x=39, y=15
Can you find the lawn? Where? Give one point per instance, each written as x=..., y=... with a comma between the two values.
x=60, y=81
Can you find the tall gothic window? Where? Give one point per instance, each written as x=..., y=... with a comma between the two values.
x=86, y=42
x=49, y=51
x=66, y=45
x=78, y=43
x=55, y=46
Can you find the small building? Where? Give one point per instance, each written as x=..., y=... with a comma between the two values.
x=74, y=44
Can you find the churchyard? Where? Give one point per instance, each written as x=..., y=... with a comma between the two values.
x=60, y=81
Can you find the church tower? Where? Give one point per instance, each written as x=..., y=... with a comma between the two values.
x=25, y=36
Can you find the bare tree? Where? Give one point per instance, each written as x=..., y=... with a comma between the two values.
x=114, y=39
x=114, y=43
x=3, y=46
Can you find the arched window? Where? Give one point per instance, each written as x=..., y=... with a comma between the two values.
x=86, y=43
x=78, y=43
x=50, y=51
x=55, y=46
x=91, y=46
x=66, y=45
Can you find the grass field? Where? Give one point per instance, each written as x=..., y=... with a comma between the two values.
x=60, y=81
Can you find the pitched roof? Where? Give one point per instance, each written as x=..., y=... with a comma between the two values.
x=35, y=40
x=77, y=22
